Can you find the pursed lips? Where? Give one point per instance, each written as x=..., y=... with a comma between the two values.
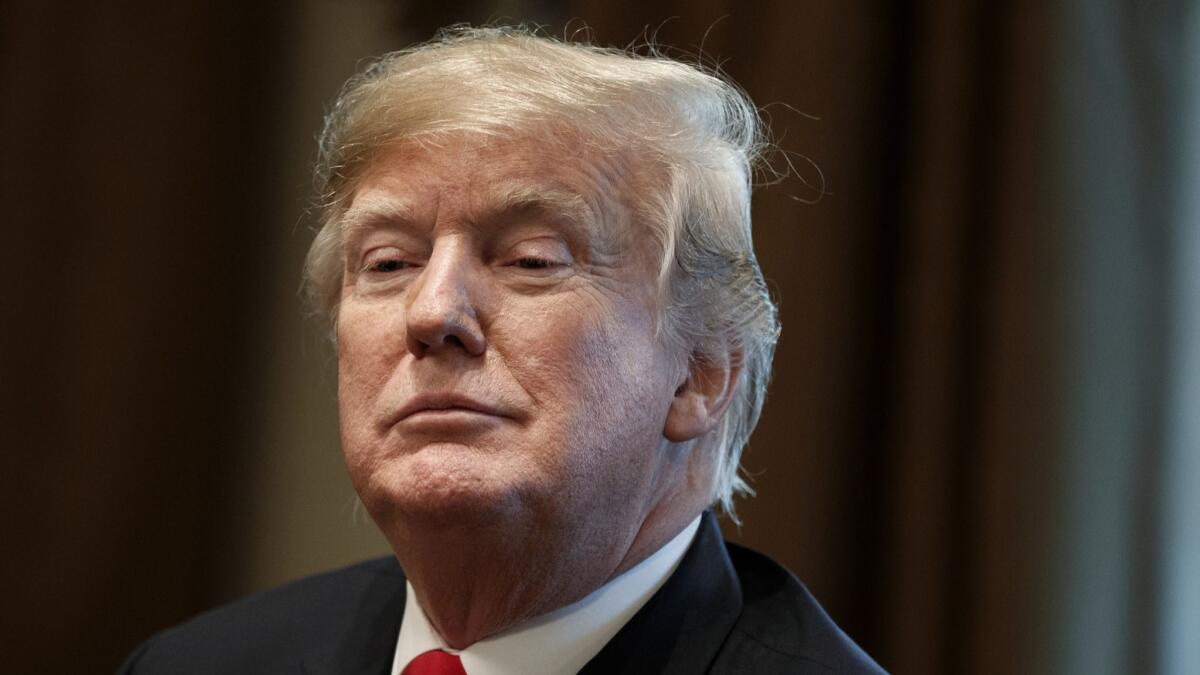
x=444, y=401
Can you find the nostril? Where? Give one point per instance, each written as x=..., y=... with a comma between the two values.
x=454, y=341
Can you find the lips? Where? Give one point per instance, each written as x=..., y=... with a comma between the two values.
x=449, y=402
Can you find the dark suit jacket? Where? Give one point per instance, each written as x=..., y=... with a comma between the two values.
x=726, y=609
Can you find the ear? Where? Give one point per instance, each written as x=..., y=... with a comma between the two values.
x=701, y=399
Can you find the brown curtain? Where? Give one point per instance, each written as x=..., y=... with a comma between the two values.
x=914, y=451
x=130, y=175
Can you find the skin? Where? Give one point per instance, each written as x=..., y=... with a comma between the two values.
x=509, y=417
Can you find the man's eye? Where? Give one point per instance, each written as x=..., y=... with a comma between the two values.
x=534, y=263
x=391, y=265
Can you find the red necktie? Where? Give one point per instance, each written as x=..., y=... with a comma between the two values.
x=435, y=662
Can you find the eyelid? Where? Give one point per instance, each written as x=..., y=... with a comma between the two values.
x=379, y=250
x=550, y=248
x=367, y=240
x=380, y=254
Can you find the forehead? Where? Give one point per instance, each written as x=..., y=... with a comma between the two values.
x=476, y=177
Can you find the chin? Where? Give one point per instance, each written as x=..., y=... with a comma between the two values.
x=446, y=487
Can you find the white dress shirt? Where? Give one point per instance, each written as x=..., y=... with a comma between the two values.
x=562, y=641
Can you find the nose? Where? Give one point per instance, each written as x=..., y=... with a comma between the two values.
x=441, y=314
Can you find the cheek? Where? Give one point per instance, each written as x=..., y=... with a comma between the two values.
x=557, y=351
x=368, y=350
x=369, y=336
x=595, y=366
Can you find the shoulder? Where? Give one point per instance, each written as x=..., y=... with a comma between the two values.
x=281, y=629
x=782, y=628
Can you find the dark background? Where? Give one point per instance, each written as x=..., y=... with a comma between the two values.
x=981, y=440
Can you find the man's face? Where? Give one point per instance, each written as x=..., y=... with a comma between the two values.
x=497, y=354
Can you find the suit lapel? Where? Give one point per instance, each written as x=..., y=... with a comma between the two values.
x=364, y=642
x=681, y=628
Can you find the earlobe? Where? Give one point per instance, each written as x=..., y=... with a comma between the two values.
x=700, y=401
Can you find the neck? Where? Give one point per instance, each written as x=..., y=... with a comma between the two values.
x=479, y=581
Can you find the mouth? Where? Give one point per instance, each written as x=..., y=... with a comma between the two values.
x=448, y=404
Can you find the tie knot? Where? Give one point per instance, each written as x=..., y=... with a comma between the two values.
x=435, y=662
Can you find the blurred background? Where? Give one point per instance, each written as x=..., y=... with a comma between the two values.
x=981, y=449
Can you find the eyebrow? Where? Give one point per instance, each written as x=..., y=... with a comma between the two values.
x=373, y=212
x=511, y=199
x=499, y=203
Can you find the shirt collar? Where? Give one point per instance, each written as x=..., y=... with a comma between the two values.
x=563, y=640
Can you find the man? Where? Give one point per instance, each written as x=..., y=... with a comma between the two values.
x=553, y=341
